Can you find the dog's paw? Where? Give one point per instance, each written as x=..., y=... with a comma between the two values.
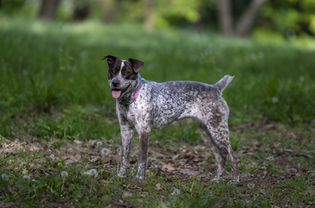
x=140, y=177
x=217, y=179
x=121, y=175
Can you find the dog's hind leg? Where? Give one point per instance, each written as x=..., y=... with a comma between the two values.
x=219, y=158
x=219, y=133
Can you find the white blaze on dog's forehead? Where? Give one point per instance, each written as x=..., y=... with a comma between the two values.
x=122, y=64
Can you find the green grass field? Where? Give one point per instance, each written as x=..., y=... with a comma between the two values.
x=57, y=114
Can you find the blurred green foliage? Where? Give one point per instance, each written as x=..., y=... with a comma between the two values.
x=282, y=18
x=290, y=17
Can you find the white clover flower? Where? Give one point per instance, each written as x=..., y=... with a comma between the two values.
x=104, y=152
x=64, y=174
x=92, y=172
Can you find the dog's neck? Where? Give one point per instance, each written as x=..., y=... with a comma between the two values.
x=131, y=94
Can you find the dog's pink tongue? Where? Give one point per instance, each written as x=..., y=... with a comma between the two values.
x=116, y=93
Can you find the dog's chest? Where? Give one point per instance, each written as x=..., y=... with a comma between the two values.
x=139, y=110
x=133, y=114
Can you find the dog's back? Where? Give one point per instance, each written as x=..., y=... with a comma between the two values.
x=181, y=99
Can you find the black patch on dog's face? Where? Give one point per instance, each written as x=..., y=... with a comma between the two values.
x=127, y=72
x=114, y=65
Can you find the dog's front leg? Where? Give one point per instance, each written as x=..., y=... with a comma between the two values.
x=143, y=155
x=126, y=136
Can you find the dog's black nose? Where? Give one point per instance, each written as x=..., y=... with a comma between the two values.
x=115, y=83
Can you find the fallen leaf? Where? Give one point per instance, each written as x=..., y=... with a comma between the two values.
x=158, y=186
x=189, y=172
x=168, y=167
x=77, y=142
x=175, y=157
x=126, y=194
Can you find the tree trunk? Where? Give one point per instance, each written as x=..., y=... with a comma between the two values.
x=245, y=23
x=225, y=17
x=149, y=14
x=81, y=10
x=108, y=11
x=48, y=9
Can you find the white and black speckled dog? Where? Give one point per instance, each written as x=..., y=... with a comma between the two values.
x=144, y=105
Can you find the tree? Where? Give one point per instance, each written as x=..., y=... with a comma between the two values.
x=149, y=14
x=225, y=17
x=48, y=9
x=81, y=10
x=243, y=26
x=108, y=10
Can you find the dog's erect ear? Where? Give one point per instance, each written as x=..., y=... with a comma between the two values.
x=110, y=59
x=136, y=64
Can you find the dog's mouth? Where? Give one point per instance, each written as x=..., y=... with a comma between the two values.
x=116, y=93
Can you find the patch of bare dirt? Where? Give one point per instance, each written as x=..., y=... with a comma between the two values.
x=184, y=161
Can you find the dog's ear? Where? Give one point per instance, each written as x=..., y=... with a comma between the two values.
x=110, y=59
x=136, y=64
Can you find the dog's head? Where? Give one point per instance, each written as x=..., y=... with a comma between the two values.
x=122, y=74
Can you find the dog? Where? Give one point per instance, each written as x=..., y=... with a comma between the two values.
x=143, y=105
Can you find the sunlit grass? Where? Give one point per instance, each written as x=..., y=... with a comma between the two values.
x=48, y=66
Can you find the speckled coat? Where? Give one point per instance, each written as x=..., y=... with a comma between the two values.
x=159, y=104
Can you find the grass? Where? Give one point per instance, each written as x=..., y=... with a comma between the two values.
x=56, y=110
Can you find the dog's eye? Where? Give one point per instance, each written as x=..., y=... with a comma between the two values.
x=128, y=74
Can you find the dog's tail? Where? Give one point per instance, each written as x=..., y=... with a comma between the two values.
x=224, y=82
